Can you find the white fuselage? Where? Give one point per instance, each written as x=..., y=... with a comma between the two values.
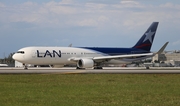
x=52, y=55
x=62, y=56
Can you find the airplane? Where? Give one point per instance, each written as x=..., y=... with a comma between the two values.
x=89, y=57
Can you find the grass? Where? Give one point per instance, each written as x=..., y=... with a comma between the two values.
x=89, y=89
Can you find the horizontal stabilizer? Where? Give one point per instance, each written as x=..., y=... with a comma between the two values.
x=162, y=48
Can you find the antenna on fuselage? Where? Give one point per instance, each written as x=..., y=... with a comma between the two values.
x=70, y=45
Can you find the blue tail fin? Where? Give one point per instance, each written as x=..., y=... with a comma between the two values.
x=145, y=42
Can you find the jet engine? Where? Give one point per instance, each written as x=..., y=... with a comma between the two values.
x=85, y=63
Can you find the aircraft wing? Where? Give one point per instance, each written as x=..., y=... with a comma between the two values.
x=130, y=55
x=102, y=58
x=121, y=56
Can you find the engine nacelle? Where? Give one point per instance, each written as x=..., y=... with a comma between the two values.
x=85, y=63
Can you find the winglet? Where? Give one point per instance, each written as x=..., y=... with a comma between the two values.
x=162, y=48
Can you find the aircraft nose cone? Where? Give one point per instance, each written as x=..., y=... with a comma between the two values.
x=14, y=57
x=18, y=57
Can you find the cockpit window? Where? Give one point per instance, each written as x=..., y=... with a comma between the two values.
x=22, y=52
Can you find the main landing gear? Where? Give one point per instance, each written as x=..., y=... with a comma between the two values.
x=94, y=68
x=98, y=67
x=147, y=67
x=80, y=68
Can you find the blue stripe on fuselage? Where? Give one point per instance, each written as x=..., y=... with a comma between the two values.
x=116, y=51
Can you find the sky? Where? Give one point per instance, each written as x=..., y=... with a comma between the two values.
x=86, y=23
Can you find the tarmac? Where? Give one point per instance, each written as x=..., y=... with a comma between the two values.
x=105, y=70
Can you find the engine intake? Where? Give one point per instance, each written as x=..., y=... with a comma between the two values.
x=85, y=63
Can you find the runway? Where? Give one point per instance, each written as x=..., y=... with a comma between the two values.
x=106, y=70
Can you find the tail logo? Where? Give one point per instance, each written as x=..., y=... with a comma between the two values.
x=149, y=36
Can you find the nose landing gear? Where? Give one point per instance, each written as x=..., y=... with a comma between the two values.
x=25, y=66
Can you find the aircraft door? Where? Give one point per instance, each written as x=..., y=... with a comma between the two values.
x=33, y=53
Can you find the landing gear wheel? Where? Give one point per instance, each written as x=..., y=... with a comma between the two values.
x=98, y=67
x=25, y=67
x=147, y=67
x=80, y=68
